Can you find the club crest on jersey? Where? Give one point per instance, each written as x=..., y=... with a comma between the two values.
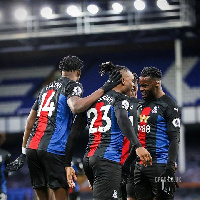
x=77, y=91
x=176, y=122
x=125, y=104
x=155, y=109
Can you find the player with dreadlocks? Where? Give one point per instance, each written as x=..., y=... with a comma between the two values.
x=159, y=133
x=48, y=126
x=108, y=124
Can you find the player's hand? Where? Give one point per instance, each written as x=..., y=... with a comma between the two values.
x=114, y=80
x=168, y=184
x=17, y=164
x=144, y=155
x=71, y=176
x=176, y=167
x=89, y=184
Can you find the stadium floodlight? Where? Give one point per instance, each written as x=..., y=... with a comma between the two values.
x=20, y=14
x=93, y=9
x=139, y=5
x=46, y=12
x=117, y=7
x=163, y=4
x=73, y=11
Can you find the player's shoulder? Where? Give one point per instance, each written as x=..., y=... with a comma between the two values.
x=116, y=95
x=122, y=98
x=135, y=100
x=69, y=82
x=168, y=100
x=123, y=101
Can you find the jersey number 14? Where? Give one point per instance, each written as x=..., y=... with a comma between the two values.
x=46, y=104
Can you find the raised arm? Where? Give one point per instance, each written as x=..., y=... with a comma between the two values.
x=78, y=104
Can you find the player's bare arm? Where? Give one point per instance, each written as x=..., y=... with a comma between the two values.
x=19, y=162
x=78, y=104
x=29, y=124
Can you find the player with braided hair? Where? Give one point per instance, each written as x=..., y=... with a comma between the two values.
x=48, y=126
x=159, y=132
x=108, y=125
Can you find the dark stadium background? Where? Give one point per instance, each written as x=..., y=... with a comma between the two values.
x=134, y=49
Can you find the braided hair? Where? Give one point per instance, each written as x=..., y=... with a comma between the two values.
x=135, y=77
x=109, y=67
x=152, y=72
x=70, y=63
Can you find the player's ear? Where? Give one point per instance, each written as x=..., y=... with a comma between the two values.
x=157, y=83
x=78, y=73
x=123, y=81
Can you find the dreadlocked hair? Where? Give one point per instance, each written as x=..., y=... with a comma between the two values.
x=135, y=77
x=109, y=67
x=70, y=63
x=152, y=72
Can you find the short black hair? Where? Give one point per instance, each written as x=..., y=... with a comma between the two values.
x=70, y=63
x=152, y=72
x=110, y=67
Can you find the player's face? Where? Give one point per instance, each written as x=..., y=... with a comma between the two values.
x=147, y=88
x=127, y=82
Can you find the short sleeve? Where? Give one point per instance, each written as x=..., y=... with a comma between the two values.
x=74, y=89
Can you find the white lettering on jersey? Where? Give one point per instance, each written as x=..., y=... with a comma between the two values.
x=106, y=98
x=53, y=85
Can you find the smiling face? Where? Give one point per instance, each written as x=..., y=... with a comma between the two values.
x=148, y=87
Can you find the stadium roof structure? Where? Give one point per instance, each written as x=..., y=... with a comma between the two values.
x=107, y=27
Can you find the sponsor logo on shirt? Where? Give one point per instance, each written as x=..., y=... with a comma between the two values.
x=144, y=118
